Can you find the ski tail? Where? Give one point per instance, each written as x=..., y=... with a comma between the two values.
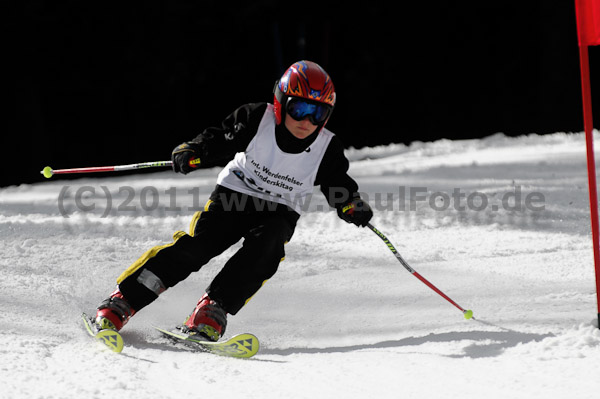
x=241, y=346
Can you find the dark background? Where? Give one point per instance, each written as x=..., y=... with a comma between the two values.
x=116, y=82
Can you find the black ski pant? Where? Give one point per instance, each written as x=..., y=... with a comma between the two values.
x=264, y=227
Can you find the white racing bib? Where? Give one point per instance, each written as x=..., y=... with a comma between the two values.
x=264, y=171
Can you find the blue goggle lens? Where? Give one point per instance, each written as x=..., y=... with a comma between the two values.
x=300, y=109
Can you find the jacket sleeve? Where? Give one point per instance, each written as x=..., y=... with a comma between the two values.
x=337, y=186
x=218, y=145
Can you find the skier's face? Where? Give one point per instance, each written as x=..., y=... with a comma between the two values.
x=300, y=129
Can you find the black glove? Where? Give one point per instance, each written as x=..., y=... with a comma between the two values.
x=356, y=211
x=185, y=158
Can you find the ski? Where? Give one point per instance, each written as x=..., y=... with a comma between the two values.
x=239, y=346
x=111, y=339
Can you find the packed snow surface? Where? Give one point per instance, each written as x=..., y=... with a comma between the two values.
x=500, y=225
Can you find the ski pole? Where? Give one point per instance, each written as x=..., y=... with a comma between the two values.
x=48, y=172
x=467, y=313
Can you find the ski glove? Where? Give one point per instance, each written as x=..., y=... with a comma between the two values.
x=356, y=211
x=185, y=158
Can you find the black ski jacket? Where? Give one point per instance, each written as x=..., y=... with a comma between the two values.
x=218, y=145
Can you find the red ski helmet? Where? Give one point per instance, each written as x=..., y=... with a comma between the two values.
x=305, y=80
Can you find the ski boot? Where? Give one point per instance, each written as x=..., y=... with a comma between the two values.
x=114, y=312
x=207, y=321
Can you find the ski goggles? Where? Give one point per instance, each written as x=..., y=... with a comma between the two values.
x=299, y=109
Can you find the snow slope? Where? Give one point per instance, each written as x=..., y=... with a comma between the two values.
x=342, y=318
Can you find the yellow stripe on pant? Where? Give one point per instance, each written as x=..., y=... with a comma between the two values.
x=196, y=217
x=149, y=254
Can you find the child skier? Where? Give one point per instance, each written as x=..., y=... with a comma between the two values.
x=276, y=154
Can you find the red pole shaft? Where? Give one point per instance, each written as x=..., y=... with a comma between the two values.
x=591, y=163
x=410, y=269
x=84, y=170
x=433, y=287
x=115, y=168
